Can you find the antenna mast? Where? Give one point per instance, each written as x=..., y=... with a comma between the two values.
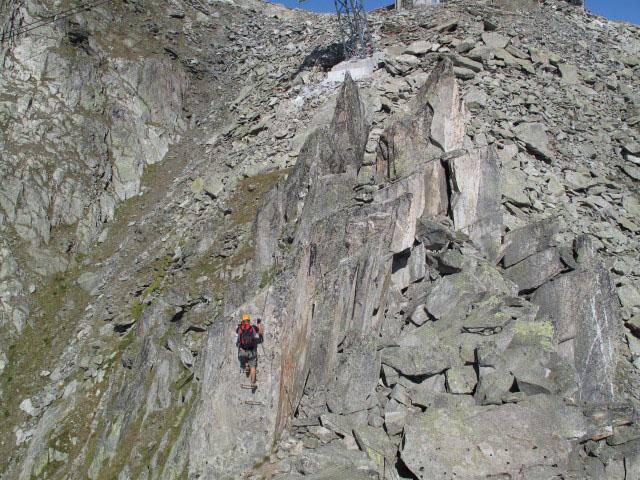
x=354, y=28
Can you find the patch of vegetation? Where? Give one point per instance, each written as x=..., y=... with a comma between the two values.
x=160, y=272
x=59, y=284
x=165, y=336
x=242, y=255
x=124, y=343
x=250, y=193
x=174, y=432
x=267, y=276
x=244, y=202
x=260, y=463
x=137, y=309
x=56, y=308
x=72, y=432
x=142, y=437
x=80, y=257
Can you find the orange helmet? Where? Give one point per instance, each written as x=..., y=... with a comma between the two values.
x=245, y=318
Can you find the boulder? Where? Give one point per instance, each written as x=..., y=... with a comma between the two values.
x=481, y=53
x=534, y=136
x=349, y=472
x=527, y=240
x=583, y=307
x=495, y=40
x=471, y=442
x=424, y=360
x=349, y=127
x=536, y=269
x=474, y=180
x=461, y=380
x=394, y=420
x=91, y=282
x=464, y=73
x=324, y=459
x=569, y=73
x=376, y=444
x=451, y=295
x=213, y=186
x=419, y=47
x=408, y=267
x=431, y=124
x=486, y=314
x=420, y=352
x=629, y=296
x=356, y=377
x=435, y=233
x=476, y=99
x=534, y=363
x=494, y=385
x=424, y=393
x=513, y=187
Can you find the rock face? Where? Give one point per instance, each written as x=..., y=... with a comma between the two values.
x=582, y=305
x=433, y=124
x=475, y=204
x=75, y=148
x=480, y=442
x=442, y=254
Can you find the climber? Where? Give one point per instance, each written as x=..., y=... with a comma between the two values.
x=247, y=339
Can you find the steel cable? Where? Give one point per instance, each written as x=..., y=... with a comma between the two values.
x=53, y=18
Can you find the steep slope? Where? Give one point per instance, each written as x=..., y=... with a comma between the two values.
x=414, y=244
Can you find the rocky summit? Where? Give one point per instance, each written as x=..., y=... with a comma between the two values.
x=443, y=250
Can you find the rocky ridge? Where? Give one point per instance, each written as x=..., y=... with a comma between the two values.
x=414, y=294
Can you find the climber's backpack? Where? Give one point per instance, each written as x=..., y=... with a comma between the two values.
x=246, y=337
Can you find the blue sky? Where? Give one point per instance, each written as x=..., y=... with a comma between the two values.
x=628, y=10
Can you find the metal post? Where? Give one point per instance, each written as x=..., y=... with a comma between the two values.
x=354, y=28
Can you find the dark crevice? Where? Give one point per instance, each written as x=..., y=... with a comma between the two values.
x=526, y=292
x=194, y=328
x=177, y=316
x=189, y=378
x=447, y=176
x=476, y=368
x=417, y=378
x=325, y=58
x=400, y=260
x=122, y=328
x=514, y=387
x=403, y=470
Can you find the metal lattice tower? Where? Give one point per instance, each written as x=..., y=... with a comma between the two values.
x=354, y=28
